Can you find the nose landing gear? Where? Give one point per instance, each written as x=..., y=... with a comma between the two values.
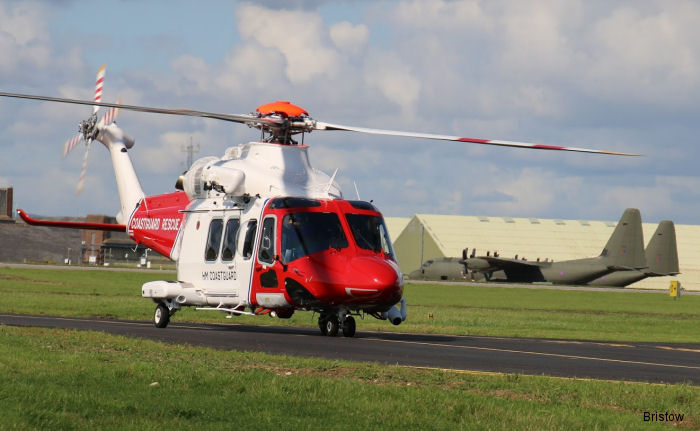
x=331, y=323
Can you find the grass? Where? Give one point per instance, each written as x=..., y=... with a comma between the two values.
x=446, y=309
x=55, y=379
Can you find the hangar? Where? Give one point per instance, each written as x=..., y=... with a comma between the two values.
x=427, y=236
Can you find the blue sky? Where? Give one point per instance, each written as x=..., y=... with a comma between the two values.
x=616, y=75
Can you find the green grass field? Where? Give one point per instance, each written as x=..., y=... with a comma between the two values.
x=72, y=380
x=56, y=379
x=459, y=310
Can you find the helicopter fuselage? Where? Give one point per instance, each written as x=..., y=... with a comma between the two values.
x=239, y=245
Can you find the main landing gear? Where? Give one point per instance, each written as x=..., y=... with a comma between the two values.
x=161, y=316
x=331, y=324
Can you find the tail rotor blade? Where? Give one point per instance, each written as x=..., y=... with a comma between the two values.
x=98, y=87
x=83, y=171
x=71, y=143
x=110, y=116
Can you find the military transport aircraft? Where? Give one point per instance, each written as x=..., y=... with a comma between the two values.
x=259, y=230
x=661, y=256
x=623, y=251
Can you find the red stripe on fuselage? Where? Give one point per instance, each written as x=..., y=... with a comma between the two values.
x=157, y=221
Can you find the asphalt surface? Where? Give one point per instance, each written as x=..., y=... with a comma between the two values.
x=645, y=362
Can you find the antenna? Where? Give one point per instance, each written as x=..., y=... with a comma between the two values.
x=330, y=183
x=190, y=149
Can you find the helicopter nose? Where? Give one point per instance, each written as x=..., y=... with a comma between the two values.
x=374, y=277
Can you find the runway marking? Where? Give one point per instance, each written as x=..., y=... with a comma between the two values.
x=678, y=349
x=555, y=355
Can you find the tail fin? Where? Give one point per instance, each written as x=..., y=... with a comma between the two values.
x=662, y=252
x=625, y=248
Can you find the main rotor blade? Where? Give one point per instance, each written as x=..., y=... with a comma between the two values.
x=327, y=126
x=236, y=118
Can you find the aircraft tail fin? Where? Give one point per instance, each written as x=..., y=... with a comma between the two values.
x=625, y=248
x=662, y=252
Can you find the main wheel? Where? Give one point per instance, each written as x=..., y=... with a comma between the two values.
x=161, y=317
x=332, y=326
x=349, y=326
x=322, y=324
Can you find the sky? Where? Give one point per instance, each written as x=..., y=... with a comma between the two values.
x=613, y=75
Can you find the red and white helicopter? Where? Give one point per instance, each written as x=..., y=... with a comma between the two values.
x=258, y=230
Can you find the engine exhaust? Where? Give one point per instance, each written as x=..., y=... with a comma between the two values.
x=394, y=315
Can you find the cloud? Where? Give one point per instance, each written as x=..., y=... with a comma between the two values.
x=389, y=74
x=349, y=38
x=619, y=76
x=23, y=37
x=299, y=36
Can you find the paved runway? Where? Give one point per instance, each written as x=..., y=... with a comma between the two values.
x=646, y=362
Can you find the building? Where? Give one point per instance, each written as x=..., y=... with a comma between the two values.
x=6, y=214
x=428, y=236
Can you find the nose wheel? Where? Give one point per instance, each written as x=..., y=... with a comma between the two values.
x=330, y=325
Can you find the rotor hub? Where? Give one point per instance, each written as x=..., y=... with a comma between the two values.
x=88, y=128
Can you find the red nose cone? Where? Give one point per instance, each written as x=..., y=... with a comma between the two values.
x=368, y=281
x=373, y=277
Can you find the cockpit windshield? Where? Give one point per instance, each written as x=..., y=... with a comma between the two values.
x=370, y=233
x=304, y=233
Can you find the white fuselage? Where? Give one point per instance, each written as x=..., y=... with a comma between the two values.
x=247, y=176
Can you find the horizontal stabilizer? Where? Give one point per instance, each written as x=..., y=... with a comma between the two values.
x=71, y=224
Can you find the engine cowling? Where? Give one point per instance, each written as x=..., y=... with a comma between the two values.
x=208, y=173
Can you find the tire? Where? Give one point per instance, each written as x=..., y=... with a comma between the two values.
x=349, y=326
x=161, y=317
x=322, y=325
x=332, y=326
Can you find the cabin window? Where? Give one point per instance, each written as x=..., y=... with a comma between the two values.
x=249, y=239
x=214, y=240
x=310, y=232
x=370, y=233
x=229, y=247
x=266, y=251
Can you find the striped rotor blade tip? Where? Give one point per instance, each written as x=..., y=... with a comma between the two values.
x=110, y=116
x=98, y=86
x=71, y=143
x=83, y=171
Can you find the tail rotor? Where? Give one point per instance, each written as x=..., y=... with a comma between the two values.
x=88, y=130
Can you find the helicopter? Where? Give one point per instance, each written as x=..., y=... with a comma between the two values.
x=257, y=231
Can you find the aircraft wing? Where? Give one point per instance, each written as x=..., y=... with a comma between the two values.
x=517, y=270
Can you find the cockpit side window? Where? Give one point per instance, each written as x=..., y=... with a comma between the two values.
x=370, y=233
x=249, y=239
x=229, y=247
x=305, y=233
x=266, y=251
x=211, y=252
